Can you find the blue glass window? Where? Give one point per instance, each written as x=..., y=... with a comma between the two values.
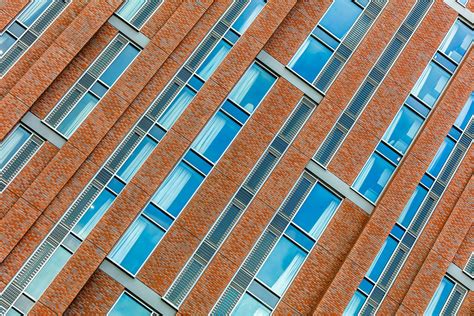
x=118, y=66
x=366, y=286
x=127, y=305
x=431, y=84
x=248, y=15
x=130, y=8
x=93, y=214
x=373, y=177
x=136, y=244
x=466, y=113
x=136, y=158
x=252, y=87
x=235, y=111
x=384, y=255
x=403, y=129
x=355, y=305
x=80, y=111
x=99, y=89
x=440, y=297
x=216, y=136
x=177, y=188
x=158, y=216
x=340, y=17
x=214, y=59
x=281, y=265
x=298, y=236
x=316, y=211
x=33, y=11
x=6, y=41
x=248, y=305
x=441, y=157
x=174, y=110
x=12, y=144
x=310, y=59
x=457, y=41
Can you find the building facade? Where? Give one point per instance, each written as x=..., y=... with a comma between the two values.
x=237, y=157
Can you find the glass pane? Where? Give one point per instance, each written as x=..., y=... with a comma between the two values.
x=373, y=177
x=310, y=59
x=117, y=67
x=127, y=305
x=248, y=306
x=130, y=8
x=281, y=265
x=178, y=188
x=216, y=136
x=384, y=255
x=136, y=244
x=457, y=41
x=6, y=41
x=431, y=84
x=253, y=86
x=12, y=144
x=441, y=157
x=440, y=297
x=13, y=312
x=248, y=15
x=214, y=59
x=94, y=214
x=33, y=11
x=136, y=159
x=47, y=274
x=79, y=113
x=355, y=304
x=466, y=113
x=174, y=110
x=316, y=211
x=403, y=129
x=340, y=17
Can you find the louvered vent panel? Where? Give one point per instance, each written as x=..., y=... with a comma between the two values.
x=454, y=301
x=123, y=151
x=64, y=106
x=330, y=145
x=145, y=12
x=19, y=160
x=224, y=225
x=202, y=52
x=259, y=252
x=260, y=172
x=104, y=60
x=231, y=15
x=11, y=57
x=227, y=302
x=164, y=99
x=80, y=206
x=48, y=16
x=183, y=284
x=296, y=197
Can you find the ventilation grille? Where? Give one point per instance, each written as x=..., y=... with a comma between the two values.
x=144, y=13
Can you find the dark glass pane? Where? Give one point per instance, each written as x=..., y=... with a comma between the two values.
x=117, y=67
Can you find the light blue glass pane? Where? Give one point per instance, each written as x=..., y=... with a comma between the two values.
x=177, y=188
x=11, y=144
x=248, y=15
x=440, y=297
x=214, y=59
x=431, y=84
x=130, y=8
x=252, y=87
x=216, y=136
x=79, y=113
x=310, y=59
x=99, y=89
x=379, y=263
x=316, y=211
x=340, y=17
x=94, y=214
x=397, y=231
x=174, y=110
x=33, y=11
x=298, y=236
x=466, y=113
x=457, y=41
x=136, y=244
x=441, y=157
x=366, y=286
x=136, y=158
x=373, y=177
x=13, y=312
x=281, y=265
x=249, y=306
x=354, y=306
x=158, y=216
x=116, y=185
x=117, y=67
x=126, y=305
x=47, y=274
x=403, y=129
x=6, y=41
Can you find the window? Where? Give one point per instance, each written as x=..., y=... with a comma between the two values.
x=431, y=84
x=136, y=244
x=47, y=274
x=403, y=129
x=355, y=305
x=214, y=59
x=176, y=107
x=127, y=305
x=178, y=188
x=340, y=17
x=466, y=113
x=33, y=11
x=248, y=15
x=6, y=41
x=310, y=59
x=216, y=136
x=382, y=259
x=118, y=66
x=463, y=2
x=136, y=158
x=12, y=144
x=457, y=41
x=78, y=114
x=440, y=297
x=128, y=10
x=248, y=305
x=441, y=157
x=412, y=206
x=373, y=177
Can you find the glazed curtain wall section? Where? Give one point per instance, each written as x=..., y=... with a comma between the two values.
x=447, y=299
x=402, y=238
x=137, y=12
x=99, y=194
